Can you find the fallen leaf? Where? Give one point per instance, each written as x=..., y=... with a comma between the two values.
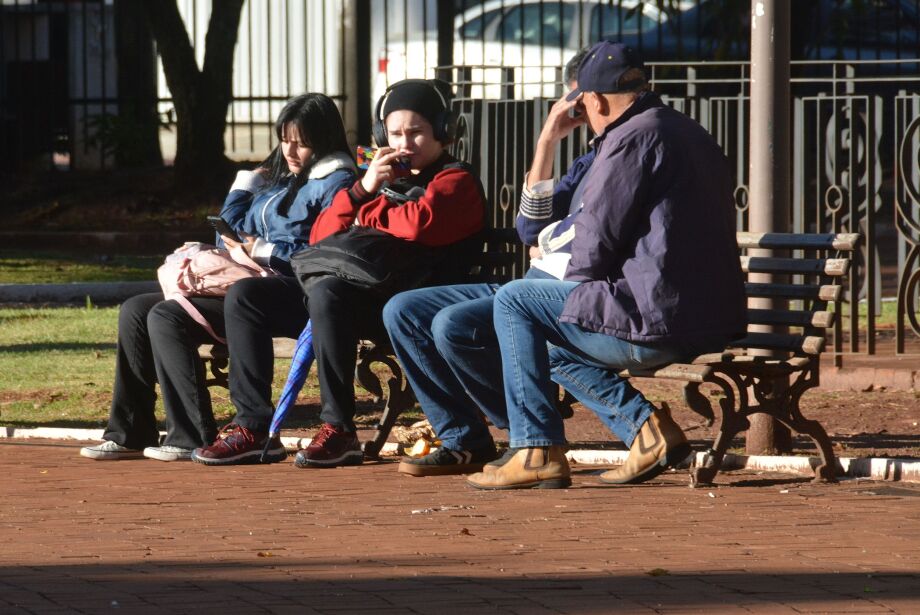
x=465, y=532
x=657, y=572
x=266, y=554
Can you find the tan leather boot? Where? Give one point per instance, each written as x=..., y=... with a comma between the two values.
x=507, y=456
x=659, y=445
x=539, y=468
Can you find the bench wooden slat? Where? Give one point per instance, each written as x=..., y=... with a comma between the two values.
x=760, y=365
x=824, y=266
x=500, y=235
x=675, y=371
x=793, y=318
x=283, y=349
x=494, y=259
x=801, y=241
x=809, y=344
x=822, y=292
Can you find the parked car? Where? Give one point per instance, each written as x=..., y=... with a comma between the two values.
x=534, y=37
x=531, y=39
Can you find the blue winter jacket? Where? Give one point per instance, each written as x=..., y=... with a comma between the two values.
x=252, y=208
x=655, y=248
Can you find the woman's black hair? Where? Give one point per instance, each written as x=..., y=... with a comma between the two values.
x=320, y=125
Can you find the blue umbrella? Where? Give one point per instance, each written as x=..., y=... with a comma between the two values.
x=297, y=375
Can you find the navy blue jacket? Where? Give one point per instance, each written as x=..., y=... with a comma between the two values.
x=655, y=248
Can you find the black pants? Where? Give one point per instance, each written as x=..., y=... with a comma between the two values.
x=158, y=342
x=342, y=314
x=256, y=310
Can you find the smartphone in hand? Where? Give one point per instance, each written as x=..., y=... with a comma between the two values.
x=366, y=153
x=220, y=225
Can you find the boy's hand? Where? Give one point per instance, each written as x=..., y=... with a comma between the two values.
x=381, y=169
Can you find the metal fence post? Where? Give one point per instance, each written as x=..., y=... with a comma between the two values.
x=769, y=168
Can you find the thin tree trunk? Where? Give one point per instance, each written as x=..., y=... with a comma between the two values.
x=200, y=97
x=137, y=86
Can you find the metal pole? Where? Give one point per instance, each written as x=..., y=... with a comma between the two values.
x=770, y=169
x=356, y=88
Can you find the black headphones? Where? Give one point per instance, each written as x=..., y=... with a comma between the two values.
x=445, y=124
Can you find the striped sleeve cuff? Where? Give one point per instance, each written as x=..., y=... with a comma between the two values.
x=358, y=194
x=537, y=202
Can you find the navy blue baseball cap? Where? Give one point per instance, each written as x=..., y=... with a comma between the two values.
x=602, y=68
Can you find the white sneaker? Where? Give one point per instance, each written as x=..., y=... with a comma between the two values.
x=110, y=450
x=168, y=453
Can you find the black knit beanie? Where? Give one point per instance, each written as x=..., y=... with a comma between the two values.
x=418, y=96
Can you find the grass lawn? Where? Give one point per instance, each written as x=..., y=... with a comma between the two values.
x=22, y=267
x=57, y=367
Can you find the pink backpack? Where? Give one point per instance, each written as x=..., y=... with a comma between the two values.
x=202, y=270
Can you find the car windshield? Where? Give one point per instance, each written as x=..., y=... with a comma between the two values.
x=613, y=22
x=539, y=23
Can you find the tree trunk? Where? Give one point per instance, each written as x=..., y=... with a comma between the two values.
x=200, y=97
x=137, y=88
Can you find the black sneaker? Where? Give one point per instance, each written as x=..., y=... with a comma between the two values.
x=443, y=461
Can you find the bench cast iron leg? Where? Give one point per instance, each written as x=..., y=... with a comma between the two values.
x=397, y=399
x=732, y=422
x=794, y=419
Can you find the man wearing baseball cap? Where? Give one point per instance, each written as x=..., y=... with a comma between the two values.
x=654, y=277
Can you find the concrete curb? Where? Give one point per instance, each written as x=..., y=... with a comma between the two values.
x=883, y=469
x=77, y=292
x=869, y=379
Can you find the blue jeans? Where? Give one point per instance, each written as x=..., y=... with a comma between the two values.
x=444, y=339
x=533, y=341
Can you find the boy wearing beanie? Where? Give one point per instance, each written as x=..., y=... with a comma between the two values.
x=442, y=204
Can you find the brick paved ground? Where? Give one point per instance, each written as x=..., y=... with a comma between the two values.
x=144, y=536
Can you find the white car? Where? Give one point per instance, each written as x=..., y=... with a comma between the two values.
x=531, y=40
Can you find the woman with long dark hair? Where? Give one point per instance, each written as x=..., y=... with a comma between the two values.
x=272, y=210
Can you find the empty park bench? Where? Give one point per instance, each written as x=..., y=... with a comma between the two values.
x=770, y=371
x=494, y=264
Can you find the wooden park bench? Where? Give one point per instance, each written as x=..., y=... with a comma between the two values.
x=391, y=390
x=770, y=371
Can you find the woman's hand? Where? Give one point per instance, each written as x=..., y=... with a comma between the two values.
x=381, y=169
x=535, y=252
x=248, y=242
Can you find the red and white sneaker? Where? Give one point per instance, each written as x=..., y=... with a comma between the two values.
x=329, y=448
x=238, y=445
